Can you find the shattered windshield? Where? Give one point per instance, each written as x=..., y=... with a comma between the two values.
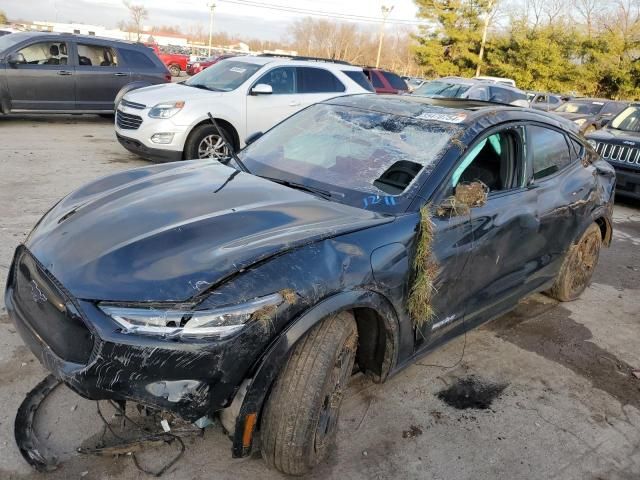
x=223, y=76
x=628, y=120
x=363, y=158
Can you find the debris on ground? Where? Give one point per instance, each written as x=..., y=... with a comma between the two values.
x=471, y=392
x=121, y=434
x=414, y=431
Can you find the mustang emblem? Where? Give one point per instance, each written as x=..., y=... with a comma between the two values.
x=36, y=293
x=627, y=142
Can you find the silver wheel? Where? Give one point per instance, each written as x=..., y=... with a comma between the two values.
x=212, y=146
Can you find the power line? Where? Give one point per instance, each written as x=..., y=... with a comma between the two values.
x=320, y=13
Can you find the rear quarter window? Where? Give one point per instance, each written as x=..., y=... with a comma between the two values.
x=395, y=81
x=360, y=78
x=318, y=80
x=550, y=151
x=134, y=58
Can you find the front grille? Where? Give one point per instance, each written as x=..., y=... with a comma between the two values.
x=137, y=106
x=48, y=310
x=127, y=121
x=619, y=153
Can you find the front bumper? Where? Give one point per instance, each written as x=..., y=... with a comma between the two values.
x=627, y=181
x=85, y=348
x=148, y=153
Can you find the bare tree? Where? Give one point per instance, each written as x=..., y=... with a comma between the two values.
x=491, y=10
x=535, y=8
x=137, y=14
x=588, y=10
x=553, y=9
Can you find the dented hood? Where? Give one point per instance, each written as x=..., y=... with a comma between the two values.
x=169, y=232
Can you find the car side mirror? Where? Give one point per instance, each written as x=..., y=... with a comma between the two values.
x=16, y=58
x=606, y=121
x=262, y=89
x=253, y=137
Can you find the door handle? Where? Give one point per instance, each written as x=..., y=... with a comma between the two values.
x=120, y=74
x=64, y=72
x=294, y=104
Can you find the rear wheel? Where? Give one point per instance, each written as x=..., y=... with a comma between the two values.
x=301, y=416
x=174, y=70
x=578, y=266
x=205, y=142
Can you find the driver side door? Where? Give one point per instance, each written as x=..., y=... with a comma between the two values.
x=266, y=110
x=45, y=80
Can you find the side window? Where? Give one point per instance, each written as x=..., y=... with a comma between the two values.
x=46, y=53
x=395, y=81
x=478, y=93
x=375, y=80
x=360, y=78
x=549, y=149
x=136, y=59
x=317, y=80
x=542, y=99
x=497, y=161
x=96, y=56
x=612, y=108
x=282, y=80
x=577, y=149
x=500, y=95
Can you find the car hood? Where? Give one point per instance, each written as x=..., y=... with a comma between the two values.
x=170, y=232
x=611, y=135
x=168, y=92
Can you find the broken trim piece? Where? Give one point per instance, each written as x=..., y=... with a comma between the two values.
x=28, y=443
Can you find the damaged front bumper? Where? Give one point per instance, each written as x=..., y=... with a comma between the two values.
x=87, y=350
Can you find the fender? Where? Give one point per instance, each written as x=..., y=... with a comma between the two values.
x=272, y=361
x=127, y=88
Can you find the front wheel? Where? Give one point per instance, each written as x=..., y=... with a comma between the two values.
x=578, y=266
x=301, y=416
x=205, y=142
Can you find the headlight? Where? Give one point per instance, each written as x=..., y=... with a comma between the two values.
x=219, y=322
x=166, y=110
x=580, y=121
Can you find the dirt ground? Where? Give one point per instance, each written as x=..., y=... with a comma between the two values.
x=551, y=385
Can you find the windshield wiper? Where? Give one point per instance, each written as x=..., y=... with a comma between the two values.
x=299, y=186
x=202, y=87
x=230, y=148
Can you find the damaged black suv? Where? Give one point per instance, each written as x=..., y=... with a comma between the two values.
x=369, y=230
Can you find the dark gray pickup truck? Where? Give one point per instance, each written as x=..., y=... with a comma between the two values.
x=61, y=73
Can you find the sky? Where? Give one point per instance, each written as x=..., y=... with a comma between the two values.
x=246, y=21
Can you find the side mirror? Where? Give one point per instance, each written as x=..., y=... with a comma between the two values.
x=262, y=89
x=15, y=58
x=253, y=137
x=605, y=121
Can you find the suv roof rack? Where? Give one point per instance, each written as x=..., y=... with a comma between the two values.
x=308, y=59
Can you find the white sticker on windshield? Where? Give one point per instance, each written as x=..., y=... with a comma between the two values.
x=443, y=117
x=238, y=69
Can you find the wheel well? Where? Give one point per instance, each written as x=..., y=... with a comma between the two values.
x=375, y=343
x=235, y=140
x=605, y=229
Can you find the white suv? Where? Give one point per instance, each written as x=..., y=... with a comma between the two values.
x=245, y=95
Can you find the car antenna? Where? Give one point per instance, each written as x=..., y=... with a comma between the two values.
x=228, y=145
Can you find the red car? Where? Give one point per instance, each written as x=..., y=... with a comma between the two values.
x=175, y=62
x=385, y=82
x=197, y=67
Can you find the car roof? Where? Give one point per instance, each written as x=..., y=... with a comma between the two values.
x=469, y=111
x=595, y=100
x=264, y=60
x=19, y=36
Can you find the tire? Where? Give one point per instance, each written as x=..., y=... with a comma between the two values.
x=578, y=266
x=195, y=149
x=300, y=419
x=174, y=70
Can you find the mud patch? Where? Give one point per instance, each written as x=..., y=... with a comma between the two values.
x=471, y=392
x=556, y=337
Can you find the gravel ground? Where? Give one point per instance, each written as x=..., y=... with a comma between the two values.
x=561, y=401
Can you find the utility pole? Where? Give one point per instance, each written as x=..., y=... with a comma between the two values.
x=487, y=19
x=212, y=6
x=385, y=13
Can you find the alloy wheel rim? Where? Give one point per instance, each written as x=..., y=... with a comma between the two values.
x=213, y=146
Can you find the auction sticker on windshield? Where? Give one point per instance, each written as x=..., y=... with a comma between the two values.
x=443, y=117
x=238, y=69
